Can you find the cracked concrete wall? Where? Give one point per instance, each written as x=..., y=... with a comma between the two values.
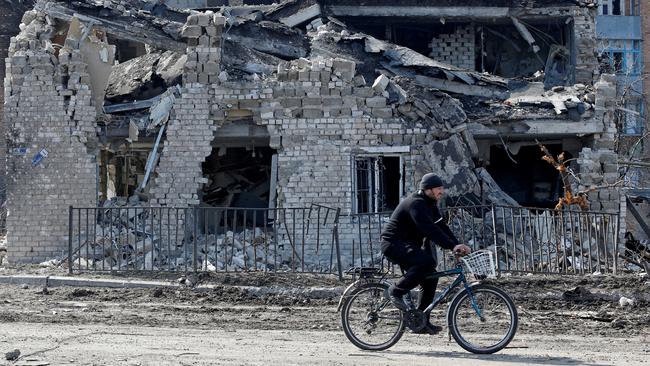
x=451, y=159
x=48, y=105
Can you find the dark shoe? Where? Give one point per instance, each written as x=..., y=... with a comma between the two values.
x=429, y=329
x=397, y=301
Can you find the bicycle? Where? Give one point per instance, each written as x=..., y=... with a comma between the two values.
x=482, y=318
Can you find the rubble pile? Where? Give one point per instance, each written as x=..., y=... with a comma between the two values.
x=526, y=240
x=636, y=253
x=545, y=240
x=129, y=235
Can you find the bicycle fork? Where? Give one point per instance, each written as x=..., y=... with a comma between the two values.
x=472, y=300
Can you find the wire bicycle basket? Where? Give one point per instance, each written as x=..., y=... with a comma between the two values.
x=480, y=263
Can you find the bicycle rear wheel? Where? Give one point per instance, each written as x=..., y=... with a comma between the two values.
x=493, y=329
x=369, y=319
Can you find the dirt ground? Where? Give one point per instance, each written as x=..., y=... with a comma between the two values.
x=584, y=311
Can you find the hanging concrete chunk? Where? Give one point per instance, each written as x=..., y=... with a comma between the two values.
x=145, y=76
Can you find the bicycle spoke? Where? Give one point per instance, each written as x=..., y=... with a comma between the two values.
x=370, y=321
x=493, y=328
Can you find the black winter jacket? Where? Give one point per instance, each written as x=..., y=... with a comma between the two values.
x=417, y=217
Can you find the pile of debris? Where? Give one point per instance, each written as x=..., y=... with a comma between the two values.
x=542, y=240
x=129, y=235
x=636, y=253
x=524, y=240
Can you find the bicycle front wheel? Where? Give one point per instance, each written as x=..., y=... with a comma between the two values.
x=369, y=319
x=483, y=322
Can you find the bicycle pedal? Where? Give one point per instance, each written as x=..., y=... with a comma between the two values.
x=415, y=320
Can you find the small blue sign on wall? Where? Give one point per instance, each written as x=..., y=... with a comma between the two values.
x=39, y=157
x=19, y=151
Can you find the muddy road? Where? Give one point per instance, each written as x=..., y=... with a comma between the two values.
x=293, y=320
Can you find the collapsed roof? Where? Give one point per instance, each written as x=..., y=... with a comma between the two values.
x=256, y=42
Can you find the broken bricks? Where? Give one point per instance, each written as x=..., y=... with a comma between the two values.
x=203, y=33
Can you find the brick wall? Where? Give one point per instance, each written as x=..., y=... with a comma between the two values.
x=48, y=106
x=584, y=30
x=455, y=48
x=10, y=16
x=598, y=163
x=318, y=114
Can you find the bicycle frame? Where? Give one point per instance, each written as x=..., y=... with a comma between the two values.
x=460, y=279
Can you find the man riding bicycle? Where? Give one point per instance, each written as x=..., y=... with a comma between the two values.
x=415, y=221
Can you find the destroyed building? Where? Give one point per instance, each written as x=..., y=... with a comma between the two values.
x=284, y=105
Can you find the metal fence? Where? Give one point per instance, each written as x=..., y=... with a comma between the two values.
x=523, y=239
x=197, y=239
x=307, y=239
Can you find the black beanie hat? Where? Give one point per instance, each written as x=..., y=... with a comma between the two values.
x=430, y=181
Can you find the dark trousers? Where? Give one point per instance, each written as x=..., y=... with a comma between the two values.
x=417, y=264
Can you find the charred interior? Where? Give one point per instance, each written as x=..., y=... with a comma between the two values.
x=524, y=176
x=239, y=168
x=238, y=177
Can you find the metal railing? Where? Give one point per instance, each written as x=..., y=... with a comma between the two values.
x=529, y=240
x=218, y=239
